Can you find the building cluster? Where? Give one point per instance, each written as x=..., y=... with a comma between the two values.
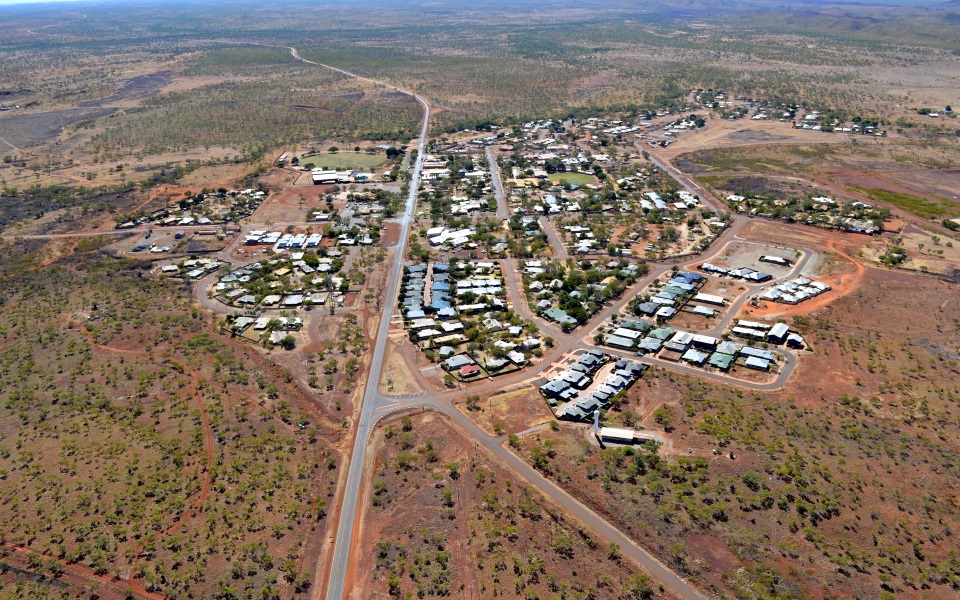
x=454, y=239
x=447, y=305
x=270, y=329
x=193, y=268
x=818, y=211
x=568, y=299
x=214, y=208
x=282, y=240
x=795, y=291
x=575, y=394
x=695, y=349
x=666, y=300
x=285, y=282
x=328, y=177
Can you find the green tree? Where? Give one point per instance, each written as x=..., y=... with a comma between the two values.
x=563, y=546
x=663, y=416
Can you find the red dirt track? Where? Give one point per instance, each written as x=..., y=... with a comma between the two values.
x=207, y=442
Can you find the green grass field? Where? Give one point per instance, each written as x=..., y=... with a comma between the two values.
x=577, y=178
x=342, y=161
x=918, y=206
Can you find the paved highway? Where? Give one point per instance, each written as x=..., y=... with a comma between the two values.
x=336, y=583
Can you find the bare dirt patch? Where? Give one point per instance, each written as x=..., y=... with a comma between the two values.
x=515, y=411
x=397, y=380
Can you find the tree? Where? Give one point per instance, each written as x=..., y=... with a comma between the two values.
x=333, y=150
x=614, y=553
x=663, y=416
x=473, y=402
x=514, y=441
x=563, y=546
x=639, y=586
x=288, y=342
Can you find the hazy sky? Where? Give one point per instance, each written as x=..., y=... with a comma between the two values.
x=8, y=2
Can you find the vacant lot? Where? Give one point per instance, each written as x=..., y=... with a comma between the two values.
x=509, y=412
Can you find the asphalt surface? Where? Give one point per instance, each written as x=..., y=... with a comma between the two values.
x=336, y=583
x=559, y=250
x=502, y=211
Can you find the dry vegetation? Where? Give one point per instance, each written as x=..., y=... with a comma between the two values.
x=446, y=520
x=140, y=446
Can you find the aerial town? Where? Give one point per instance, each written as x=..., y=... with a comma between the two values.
x=552, y=301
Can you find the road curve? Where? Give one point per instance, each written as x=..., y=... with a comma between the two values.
x=573, y=507
x=336, y=583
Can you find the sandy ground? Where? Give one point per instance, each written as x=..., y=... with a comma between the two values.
x=515, y=411
x=397, y=379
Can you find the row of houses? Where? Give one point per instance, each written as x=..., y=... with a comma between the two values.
x=242, y=323
x=744, y=273
x=671, y=296
x=795, y=291
x=778, y=334
x=281, y=240
x=192, y=268
x=699, y=349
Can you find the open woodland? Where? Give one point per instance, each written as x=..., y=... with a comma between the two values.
x=138, y=445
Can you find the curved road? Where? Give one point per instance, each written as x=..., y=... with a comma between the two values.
x=376, y=406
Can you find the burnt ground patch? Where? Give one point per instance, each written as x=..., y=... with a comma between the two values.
x=31, y=129
x=23, y=130
x=35, y=203
x=137, y=88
